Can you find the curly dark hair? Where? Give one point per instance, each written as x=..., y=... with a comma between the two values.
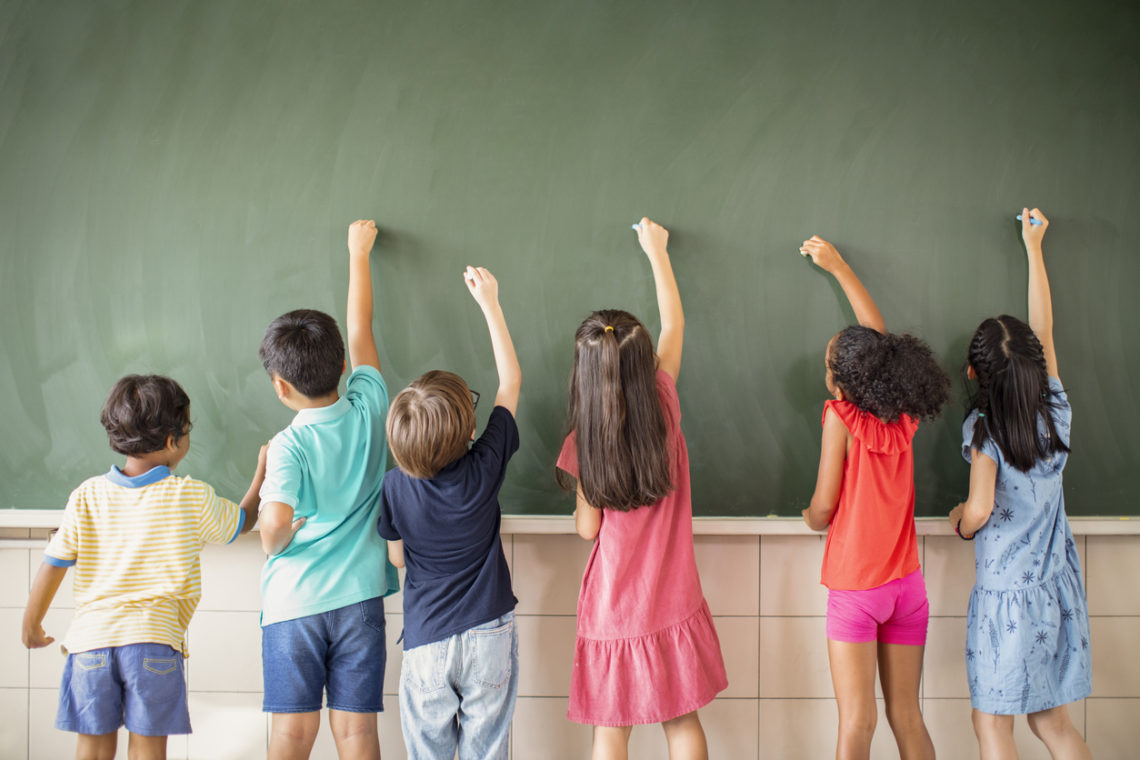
x=304, y=348
x=142, y=411
x=888, y=375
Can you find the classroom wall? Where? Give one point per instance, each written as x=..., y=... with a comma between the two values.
x=769, y=611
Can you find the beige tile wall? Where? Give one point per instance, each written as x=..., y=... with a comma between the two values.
x=765, y=598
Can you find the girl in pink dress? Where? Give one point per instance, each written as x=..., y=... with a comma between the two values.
x=646, y=651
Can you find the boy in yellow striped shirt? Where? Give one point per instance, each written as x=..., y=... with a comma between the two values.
x=133, y=536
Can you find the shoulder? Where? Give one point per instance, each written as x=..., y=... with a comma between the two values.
x=366, y=380
x=988, y=447
x=844, y=411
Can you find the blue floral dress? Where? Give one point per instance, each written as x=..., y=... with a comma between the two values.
x=1027, y=638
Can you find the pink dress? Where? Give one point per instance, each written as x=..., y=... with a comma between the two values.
x=646, y=650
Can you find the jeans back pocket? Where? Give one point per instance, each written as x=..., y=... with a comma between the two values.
x=160, y=665
x=492, y=651
x=90, y=660
x=425, y=666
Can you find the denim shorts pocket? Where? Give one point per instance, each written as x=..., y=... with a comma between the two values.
x=425, y=667
x=492, y=649
x=160, y=665
x=372, y=613
x=90, y=661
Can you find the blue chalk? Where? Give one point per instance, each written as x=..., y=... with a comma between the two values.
x=1032, y=221
x=637, y=227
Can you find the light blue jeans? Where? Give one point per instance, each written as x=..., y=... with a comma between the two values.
x=459, y=693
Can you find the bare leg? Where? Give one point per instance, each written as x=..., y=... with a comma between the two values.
x=291, y=735
x=611, y=742
x=356, y=734
x=141, y=747
x=853, y=677
x=1056, y=729
x=995, y=736
x=900, y=671
x=96, y=746
x=686, y=738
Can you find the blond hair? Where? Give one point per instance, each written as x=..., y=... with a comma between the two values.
x=430, y=423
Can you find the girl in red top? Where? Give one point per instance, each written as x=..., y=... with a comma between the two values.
x=876, y=603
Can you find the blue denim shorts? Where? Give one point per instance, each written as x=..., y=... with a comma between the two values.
x=341, y=651
x=141, y=686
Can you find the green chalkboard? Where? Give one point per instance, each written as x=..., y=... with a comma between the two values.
x=173, y=175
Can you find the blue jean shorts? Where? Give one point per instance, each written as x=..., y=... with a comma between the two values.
x=141, y=686
x=341, y=651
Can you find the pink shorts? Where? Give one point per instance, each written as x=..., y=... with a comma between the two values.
x=895, y=613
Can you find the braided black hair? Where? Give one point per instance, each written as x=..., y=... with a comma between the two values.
x=1013, y=392
x=888, y=375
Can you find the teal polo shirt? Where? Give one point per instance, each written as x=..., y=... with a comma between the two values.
x=328, y=465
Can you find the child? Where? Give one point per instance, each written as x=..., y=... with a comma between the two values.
x=133, y=536
x=876, y=604
x=646, y=651
x=440, y=513
x=323, y=585
x=1027, y=636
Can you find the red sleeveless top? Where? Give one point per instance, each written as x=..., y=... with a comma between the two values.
x=871, y=539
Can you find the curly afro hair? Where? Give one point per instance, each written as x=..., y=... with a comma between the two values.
x=888, y=375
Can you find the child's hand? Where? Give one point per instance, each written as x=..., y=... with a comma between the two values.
x=1033, y=233
x=822, y=253
x=653, y=237
x=36, y=638
x=483, y=286
x=361, y=236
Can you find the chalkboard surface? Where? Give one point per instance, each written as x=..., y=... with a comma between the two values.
x=173, y=175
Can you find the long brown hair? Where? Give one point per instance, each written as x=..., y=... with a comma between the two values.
x=623, y=452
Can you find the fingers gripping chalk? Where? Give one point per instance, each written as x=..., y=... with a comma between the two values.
x=1034, y=222
x=636, y=227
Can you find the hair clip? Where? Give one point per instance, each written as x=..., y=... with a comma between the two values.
x=609, y=328
x=981, y=414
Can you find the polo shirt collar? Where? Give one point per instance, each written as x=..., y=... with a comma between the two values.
x=318, y=414
x=153, y=475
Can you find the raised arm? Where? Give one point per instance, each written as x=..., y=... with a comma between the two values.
x=1040, y=299
x=485, y=290
x=654, y=238
x=361, y=343
x=824, y=255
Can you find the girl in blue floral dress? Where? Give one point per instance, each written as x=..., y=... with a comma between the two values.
x=1027, y=639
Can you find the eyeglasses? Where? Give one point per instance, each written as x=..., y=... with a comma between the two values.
x=474, y=399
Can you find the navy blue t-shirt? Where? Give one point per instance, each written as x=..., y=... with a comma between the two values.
x=457, y=576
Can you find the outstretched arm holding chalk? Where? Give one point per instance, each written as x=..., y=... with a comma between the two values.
x=654, y=240
x=827, y=258
x=484, y=289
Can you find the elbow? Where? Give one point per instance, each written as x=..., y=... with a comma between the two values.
x=588, y=532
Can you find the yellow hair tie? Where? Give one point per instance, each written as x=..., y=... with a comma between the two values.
x=609, y=328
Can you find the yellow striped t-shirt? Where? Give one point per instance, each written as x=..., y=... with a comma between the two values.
x=134, y=544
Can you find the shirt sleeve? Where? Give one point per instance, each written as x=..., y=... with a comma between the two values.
x=282, y=475
x=499, y=441
x=386, y=525
x=568, y=457
x=219, y=520
x=63, y=551
x=1061, y=410
x=366, y=387
x=989, y=446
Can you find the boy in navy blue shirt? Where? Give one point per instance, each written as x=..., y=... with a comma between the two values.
x=440, y=514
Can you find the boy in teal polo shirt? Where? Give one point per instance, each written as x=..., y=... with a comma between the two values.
x=323, y=585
